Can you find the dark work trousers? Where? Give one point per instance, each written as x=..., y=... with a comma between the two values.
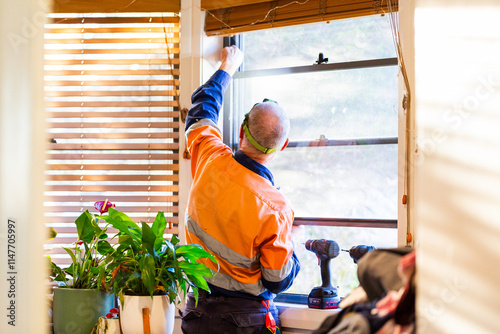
x=225, y=315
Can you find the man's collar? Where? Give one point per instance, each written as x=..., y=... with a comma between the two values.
x=254, y=166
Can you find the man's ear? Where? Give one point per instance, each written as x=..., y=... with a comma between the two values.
x=241, y=132
x=285, y=145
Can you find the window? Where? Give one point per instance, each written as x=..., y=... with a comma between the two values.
x=340, y=169
x=111, y=82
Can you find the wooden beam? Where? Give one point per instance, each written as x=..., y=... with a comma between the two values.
x=115, y=6
x=218, y=4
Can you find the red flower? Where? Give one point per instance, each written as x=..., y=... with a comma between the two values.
x=103, y=206
x=109, y=315
x=114, y=310
x=79, y=242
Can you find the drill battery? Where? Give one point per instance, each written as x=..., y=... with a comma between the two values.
x=323, y=298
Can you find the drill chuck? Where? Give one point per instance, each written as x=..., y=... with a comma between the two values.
x=323, y=248
x=357, y=252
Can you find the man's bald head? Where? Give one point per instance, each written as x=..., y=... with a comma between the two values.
x=269, y=125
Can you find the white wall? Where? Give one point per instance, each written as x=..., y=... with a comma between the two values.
x=22, y=147
x=457, y=216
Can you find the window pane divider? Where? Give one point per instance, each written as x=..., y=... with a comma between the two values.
x=342, y=142
x=347, y=222
x=349, y=65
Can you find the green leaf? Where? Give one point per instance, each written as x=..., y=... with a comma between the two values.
x=148, y=238
x=120, y=216
x=95, y=225
x=122, y=223
x=159, y=243
x=147, y=266
x=197, y=269
x=71, y=254
x=70, y=270
x=58, y=273
x=104, y=247
x=159, y=224
x=193, y=252
x=174, y=240
x=84, y=227
x=195, y=295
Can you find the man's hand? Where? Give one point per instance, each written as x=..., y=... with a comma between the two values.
x=231, y=58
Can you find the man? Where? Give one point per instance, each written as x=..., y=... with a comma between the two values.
x=236, y=213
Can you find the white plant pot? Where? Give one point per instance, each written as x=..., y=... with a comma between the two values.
x=161, y=314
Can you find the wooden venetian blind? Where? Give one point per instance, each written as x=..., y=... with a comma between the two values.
x=111, y=87
x=243, y=16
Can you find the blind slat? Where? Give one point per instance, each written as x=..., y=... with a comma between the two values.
x=114, y=30
x=111, y=146
x=76, y=114
x=115, y=20
x=95, y=40
x=118, y=82
x=78, y=166
x=116, y=200
x=112, y=178
x=130, y=72
x=137, y=209
x=152, y=155
x=102, y=135
x=131, y=61
x=136, y=218
x=122, y=104
x=110, y=93
x=102, y=188
x=91, y=123
x=108, y=51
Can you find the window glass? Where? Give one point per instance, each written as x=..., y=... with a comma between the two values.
x=341, y=182
x=341, y=40
x=344, y=104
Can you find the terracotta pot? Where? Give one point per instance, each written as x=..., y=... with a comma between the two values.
x=78, y=310
x=161, y=314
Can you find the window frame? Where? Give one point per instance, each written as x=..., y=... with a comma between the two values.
x=231, y=127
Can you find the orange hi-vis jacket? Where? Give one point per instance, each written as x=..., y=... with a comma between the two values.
x=235, y=212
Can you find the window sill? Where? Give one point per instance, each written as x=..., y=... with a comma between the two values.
x=297, y=318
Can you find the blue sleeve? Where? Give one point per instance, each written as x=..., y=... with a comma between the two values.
x=207, y=99
x=285, y=284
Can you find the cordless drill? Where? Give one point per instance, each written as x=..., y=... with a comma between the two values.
x=324, y=296
x=356, y=252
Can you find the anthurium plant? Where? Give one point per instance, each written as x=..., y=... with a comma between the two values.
x=88, y=255
x=146, y=263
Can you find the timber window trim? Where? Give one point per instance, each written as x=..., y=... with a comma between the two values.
x=241, y=16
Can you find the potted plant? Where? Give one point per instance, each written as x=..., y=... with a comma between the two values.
x=150, y=274
x=80, y=298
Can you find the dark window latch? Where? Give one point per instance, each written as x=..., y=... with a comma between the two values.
x=321, y=59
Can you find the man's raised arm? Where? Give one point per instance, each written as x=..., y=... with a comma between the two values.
x=207, y=99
